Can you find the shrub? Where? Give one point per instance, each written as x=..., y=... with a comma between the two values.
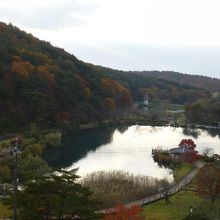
x=35, y=149
x=114, y=187
x=164, y=159
x=28, y=141
x=5, y=172
x=53, y=139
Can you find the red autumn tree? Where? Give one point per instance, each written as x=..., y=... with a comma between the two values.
x=191, y=157
x=123, y=213
x=63, y=116
x=189, y=143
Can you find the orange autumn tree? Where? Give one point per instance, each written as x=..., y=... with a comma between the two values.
x=63, y=116
x=123, y=213
x=125, y=98
x=109, y=104
x=84, y=85
x=43, y=71
x=22, y=68
x=116, y=91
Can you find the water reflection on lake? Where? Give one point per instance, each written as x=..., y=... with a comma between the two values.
x=125, y=148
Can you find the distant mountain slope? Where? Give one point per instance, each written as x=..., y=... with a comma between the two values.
x=212, y=84
x=41, y=83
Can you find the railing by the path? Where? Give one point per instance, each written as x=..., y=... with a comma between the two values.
x=176, y=188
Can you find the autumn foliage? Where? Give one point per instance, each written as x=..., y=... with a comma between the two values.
x=189, y=143
x=22, y=68
x=84, y=86
x=191, y=157
x=37, y=80
x=123, y=213
x=109, y=104
x=116, y=91
x=62, y=116
x=208, y=182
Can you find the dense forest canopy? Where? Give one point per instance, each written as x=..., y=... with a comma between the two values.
x=212, y=84
x=41, y=83
x=204, y=111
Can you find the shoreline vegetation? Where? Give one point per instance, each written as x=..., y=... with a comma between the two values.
x=120, y=187
x=52, y=137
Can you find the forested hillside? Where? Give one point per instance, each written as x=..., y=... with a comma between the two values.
x=211, y=84
x=205, y=111
x=41, y=83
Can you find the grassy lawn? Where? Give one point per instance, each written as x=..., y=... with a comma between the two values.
x=4, y=211
x=179, y=207
x=181, y=171
x=165, y=106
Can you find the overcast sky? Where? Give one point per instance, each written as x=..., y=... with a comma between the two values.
x=178, y=35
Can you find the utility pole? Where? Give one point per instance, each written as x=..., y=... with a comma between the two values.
x=15, y=151
x=15, y=187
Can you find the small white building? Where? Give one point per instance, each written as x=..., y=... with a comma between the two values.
x=146, y=100
x=145, y=103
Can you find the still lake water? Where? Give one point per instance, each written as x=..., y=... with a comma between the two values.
x=124, y=148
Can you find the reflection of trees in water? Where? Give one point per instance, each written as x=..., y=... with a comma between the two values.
x=139, y=129
x=76, y=145
x=122, y=128
x=154, y=129
x=213, y=132
x=195, y=133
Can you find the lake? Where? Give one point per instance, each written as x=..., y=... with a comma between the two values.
x=125, y=148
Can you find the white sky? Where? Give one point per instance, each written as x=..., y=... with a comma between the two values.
x=179, y=35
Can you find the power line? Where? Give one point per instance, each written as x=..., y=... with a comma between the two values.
x=113, y=152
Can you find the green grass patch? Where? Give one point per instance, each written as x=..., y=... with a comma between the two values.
x=6, y=143
x=28, y=141
x=181, y=170
x=180, y=206
x=5, y=211
x=165, y=106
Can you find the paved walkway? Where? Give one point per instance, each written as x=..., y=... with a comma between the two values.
x=177, y=187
